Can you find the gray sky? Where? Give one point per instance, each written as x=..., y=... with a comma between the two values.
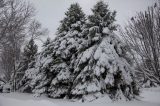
x=50, y=12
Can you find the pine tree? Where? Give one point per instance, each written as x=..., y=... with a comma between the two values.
x=29, y=53
x=68, y=42
x=28, y=56
x=27, y=62
x=42, y=76
x=39, y=77
x=103, y=66
x=57, y=58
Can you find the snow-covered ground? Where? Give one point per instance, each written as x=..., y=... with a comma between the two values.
x=149, y=97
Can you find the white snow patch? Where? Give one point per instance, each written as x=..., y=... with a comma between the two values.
x=106, y=30
x=151, y=95
x=150, y=98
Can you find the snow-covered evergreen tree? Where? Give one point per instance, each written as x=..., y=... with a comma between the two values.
x=42, y=75
x=27, y=62
x=103, y=66
x=37, y=78
x=68, y=42
x=47, y=42
x=30, y=51
x=57, y=58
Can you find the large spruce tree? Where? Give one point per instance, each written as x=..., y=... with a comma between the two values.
x=103, y=66
x=57, y=58
x=68, y=42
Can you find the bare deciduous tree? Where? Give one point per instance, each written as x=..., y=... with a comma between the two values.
x=14, y=18
x=35, y=30
x=142, y=34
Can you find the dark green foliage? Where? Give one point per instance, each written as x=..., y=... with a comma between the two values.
x=102, y=17
x=27, y=62
x=73, y=15
x=94, y=74
x=47, y=42
x=30, y=50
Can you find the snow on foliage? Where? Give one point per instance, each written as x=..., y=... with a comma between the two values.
x=85, y=60
x=102, y=66
x=103, y=63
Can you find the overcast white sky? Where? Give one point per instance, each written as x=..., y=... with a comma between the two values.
x=50, y=12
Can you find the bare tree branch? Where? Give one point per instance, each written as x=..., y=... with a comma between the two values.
x=142, y=34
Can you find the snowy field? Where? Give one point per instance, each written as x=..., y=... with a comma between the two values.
x=149, y=97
